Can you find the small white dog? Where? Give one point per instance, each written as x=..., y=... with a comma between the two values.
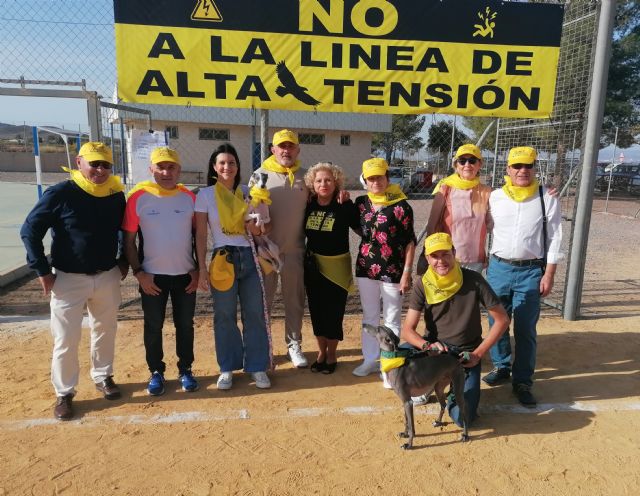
x=259, y=201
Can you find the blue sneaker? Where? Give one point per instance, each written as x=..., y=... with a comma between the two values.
x=156, y=384
x=189, y=383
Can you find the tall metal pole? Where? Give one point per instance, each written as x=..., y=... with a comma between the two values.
x=575, y=271
x=495, y=155
x=264, y=135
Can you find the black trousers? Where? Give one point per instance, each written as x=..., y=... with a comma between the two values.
x=155, y=307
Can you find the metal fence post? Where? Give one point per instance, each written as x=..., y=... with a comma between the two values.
x=575, y=271
x=93, y=114
x=613, y=161
x=264, y=135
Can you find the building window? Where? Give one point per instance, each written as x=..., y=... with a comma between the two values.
x=208, y=133
x=172, y=132
x=311, y=139
x=345, y=139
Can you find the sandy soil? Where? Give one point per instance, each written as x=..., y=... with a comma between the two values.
x=315, y=434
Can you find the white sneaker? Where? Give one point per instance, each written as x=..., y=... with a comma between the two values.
x=225, y=381
x=366, y=368
x=385, y=381
x=262, y=380
x=296, y=356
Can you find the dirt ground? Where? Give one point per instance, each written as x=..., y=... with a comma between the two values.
x=336, y=434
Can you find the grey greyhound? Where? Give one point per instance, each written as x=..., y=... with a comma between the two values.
x=421, y=374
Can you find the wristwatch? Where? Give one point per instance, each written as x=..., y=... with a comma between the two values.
x=136, y=270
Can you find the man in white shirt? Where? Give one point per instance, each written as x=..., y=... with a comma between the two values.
x=160, y=214
x=522, y=266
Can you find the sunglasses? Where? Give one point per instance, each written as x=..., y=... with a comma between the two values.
x=462, y=161
x=100, y=163
x=521, y=166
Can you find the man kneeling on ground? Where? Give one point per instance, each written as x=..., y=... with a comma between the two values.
x=450, y=297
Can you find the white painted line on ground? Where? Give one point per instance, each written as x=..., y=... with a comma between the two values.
x=243, y=414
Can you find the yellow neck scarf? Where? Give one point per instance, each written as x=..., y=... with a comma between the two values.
x=455, y=181
x=272, y=165
x=156, y=189
x=439, y=288
x=231, y=209
x=393, y=194
x=519, y=193
x=259, y=195
x=110, y=187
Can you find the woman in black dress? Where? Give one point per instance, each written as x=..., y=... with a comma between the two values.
x=327, y=272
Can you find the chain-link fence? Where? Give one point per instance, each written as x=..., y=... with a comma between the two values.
x=73, y=40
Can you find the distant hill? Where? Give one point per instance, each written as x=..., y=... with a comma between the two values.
x=9, y=131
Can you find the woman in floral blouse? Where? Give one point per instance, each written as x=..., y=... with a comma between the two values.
x=385, y=256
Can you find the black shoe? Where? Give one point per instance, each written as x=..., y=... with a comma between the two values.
x=64, y=409
x=329, y=368
x=523, y=393
x=109, y=388
x=318, y=366
x=496, y=376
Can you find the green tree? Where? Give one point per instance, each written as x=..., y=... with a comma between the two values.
x=440, y=136
x=622, y=107
x=404, y=136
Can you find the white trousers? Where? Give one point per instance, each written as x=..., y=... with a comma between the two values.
x=70, y=293
x=372, y=294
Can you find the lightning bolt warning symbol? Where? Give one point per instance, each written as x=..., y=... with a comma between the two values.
x=206, y=10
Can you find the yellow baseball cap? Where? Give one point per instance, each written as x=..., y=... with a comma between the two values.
x=468, y=149
x=221, y=272
x=95, y=151
x=522, y=155
x=164, y=154
x=436, y=242
x=374, y=167
x=285, y=135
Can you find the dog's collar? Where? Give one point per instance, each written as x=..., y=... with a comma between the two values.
x=390, y=360
x=400, y=353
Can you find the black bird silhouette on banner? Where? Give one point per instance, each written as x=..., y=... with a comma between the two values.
x=291, y=87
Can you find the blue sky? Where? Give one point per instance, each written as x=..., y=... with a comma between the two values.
x=72, y=40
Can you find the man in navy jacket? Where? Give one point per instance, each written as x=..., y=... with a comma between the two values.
x=84, y=215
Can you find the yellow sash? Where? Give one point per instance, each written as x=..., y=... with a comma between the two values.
x=337, y=269
x=110, y=187
x=272, y=165
x=439, y=288
x=259, y=195
x=231, y=209
x=519, y=193
x=387, y=364
x=455, y=181
x=393, y=194
x=156, y=189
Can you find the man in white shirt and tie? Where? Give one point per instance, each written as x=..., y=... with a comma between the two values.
x=524, y=256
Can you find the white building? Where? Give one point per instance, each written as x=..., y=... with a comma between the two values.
x=341, y=138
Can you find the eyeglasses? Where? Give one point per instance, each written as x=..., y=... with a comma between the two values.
x=462, y=161
x=100, y=163
x=521, y=166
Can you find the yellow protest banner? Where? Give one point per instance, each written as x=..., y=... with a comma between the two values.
x=323, y=59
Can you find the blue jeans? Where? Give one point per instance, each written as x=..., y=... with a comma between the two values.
x=249, y=350
x=154, y=309
x=471, y=396
x=519, y=291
